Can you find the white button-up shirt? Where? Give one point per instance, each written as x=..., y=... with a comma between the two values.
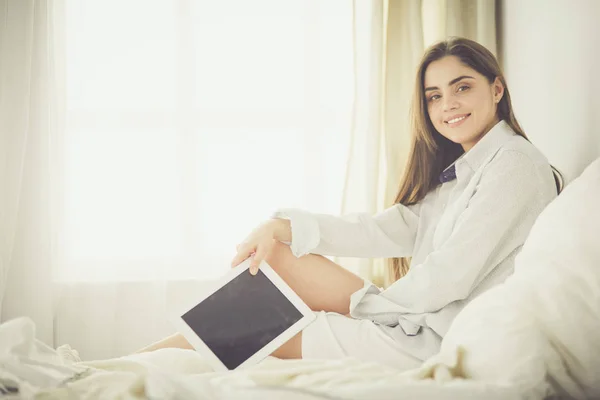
x=463, y=236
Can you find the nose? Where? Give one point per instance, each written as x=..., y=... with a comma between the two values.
x=449, y=103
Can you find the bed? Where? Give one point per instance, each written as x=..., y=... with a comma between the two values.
x=533, y=337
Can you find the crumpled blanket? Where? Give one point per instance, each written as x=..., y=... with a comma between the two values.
x=30, y=369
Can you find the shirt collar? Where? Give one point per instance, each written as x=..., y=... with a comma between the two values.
x=487, y=145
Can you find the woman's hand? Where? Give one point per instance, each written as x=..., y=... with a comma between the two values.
x=260, y=242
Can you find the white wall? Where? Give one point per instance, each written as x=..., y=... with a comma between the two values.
x=551, y=55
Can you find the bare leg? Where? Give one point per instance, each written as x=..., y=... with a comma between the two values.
x=322, y=284
x=292, y=349
x=176, y=340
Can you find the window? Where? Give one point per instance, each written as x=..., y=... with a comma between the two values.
x=189, y=122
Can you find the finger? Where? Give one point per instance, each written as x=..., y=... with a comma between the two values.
x=257, y=259
x=242, y=255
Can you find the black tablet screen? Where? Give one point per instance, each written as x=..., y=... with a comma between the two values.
x=242, y=317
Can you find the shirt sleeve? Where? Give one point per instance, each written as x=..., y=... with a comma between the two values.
x=507, y=200
x=390, y=233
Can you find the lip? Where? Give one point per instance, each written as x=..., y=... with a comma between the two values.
x=467, y=115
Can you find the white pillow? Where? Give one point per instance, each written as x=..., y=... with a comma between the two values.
x=540, y=330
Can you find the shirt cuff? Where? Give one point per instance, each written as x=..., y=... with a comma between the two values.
x=305, y=230
x=356, y=297
x=366, y=303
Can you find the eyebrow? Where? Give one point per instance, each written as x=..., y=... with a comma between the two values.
x=452, y=82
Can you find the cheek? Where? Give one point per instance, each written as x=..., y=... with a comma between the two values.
x=436, y=120
x=482, y=102
x=434, y=114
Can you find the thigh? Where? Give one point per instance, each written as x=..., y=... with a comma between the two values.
x=321, y=283
x=334, y=336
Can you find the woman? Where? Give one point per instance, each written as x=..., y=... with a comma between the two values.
x=472, y=189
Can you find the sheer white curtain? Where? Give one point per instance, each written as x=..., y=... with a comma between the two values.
x=30, y=110
x=189, y=122
x=186, y=124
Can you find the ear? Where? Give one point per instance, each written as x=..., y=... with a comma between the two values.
x=498, y=88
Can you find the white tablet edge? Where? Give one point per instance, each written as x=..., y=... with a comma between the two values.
x=183, y=328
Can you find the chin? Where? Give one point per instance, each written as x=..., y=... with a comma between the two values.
x=457, y=137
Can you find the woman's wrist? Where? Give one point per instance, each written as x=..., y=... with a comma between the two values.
x=282, y=230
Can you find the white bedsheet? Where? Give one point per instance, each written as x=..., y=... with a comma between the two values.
x=43, y=373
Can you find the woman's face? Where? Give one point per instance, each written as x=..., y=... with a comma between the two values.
x=461, y=102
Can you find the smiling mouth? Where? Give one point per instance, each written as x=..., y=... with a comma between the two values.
x=457, y=120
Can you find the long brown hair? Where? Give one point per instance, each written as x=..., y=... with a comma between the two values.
x=431, y=152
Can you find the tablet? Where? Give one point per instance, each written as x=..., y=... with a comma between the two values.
x=243, y=318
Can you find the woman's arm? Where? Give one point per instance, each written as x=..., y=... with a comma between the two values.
x=510, y=195
x=390, y=233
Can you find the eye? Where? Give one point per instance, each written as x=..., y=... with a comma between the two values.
x=434, y=97
x=462, y=88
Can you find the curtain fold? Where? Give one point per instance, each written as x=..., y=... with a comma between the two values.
x=30, y=103
x=401, y=30
x=361, y=184
x=14, y=114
